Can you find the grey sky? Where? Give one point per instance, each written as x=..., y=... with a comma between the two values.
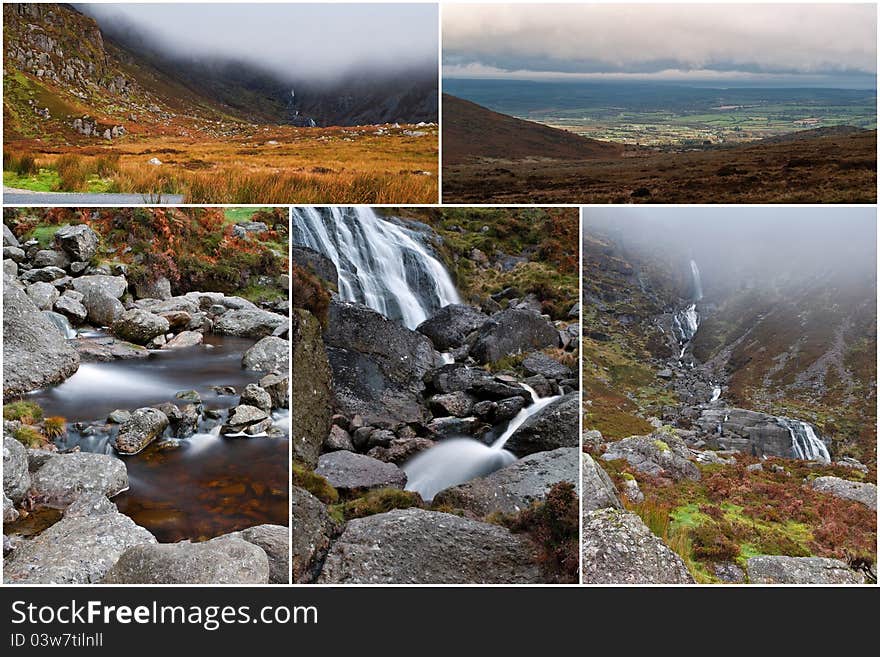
x=308, y=40
x=662, y=41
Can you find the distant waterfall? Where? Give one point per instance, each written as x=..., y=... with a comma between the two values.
x=380, y=264
x=686, y=322
x=696, y=281
x=805, y=444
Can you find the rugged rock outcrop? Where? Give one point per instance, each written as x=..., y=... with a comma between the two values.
x=800, y=570
x=516, y=486
x=750, y=432
x=554, y=426
x=415, y=546
x=80, y=242
x=311, y=389
x=597, y=489
x=378, y=365
x=16, y=477
x=660, y=454
x=618, y=548
x=862, y=493
x=35, y=354
x=313, y=529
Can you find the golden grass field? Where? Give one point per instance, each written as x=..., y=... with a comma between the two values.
x=251, y=164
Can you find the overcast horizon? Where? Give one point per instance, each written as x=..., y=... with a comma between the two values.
x=791, y=44
x=294, y=40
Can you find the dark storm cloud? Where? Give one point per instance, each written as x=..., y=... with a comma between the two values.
x=665, y=40
x=301, y=41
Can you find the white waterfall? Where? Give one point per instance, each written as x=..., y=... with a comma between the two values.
x=805, y=444
x=457, y=460
x=379, y=263
x=716, y=394
x=696, y=281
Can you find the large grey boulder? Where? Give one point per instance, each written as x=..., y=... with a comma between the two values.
x=141, y=428
x=415, y=546
x=512, y=332
x=79, y=241
x=597, y=489
x=863, y=493
x=51, y=258
x=254, y=395
x=543, y=365
x=222, y=560
x=349, y=472
x=42, y=294
x=450, y=325
x=249, y=323
x=800, y=570
x=618, y=548
x=660, y=454
x=313, y=529
x=184, y=340
x=516, y=486
x=159, y=288
x=140, y=326
x=275, y=542
x=246, y=420
x=64, y=477
x=457, y=377
x=78, y=549
x=378, y=365
x=16, y=477
x=102, y=308
x=278, y=387
x=270, y=354
x=554, y=426
x=35, y=354
x=115, y=286
x=9, y=238
x=73, y=309
x=43, y=274
x=311, y=389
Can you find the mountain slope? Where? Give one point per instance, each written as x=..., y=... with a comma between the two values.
x=471, y=131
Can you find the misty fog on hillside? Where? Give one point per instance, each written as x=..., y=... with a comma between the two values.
x=771, y=247
x=295, y=42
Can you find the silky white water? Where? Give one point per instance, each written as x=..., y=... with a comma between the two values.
x=716, y=394
x=458, y=460
x=378, y=262
x=805, y=444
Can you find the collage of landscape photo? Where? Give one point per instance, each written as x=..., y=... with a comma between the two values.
x=349, y=294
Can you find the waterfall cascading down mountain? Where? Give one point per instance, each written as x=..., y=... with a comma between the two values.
x=458, y=460
x=686, y=322
x=716, y=394
x=805, y=444
x=380, y=264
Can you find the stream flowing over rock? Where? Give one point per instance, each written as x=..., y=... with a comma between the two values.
x=221, y=560
x=311, y=389
x=414, y=546
x=618, y=548
x=515, y=487
x=35, y=354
